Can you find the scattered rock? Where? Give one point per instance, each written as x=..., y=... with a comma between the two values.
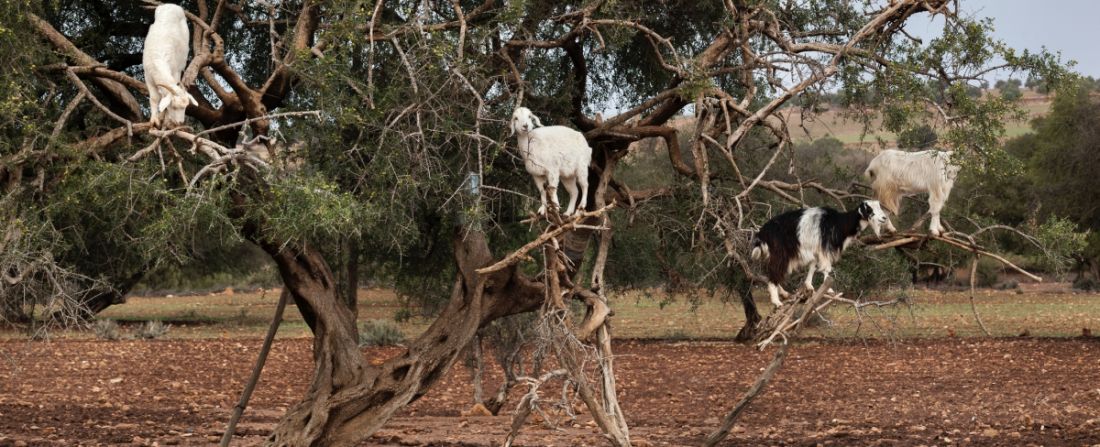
x=990, y=433
x=477, y=410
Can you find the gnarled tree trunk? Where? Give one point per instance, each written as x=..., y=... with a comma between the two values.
x=349, y=399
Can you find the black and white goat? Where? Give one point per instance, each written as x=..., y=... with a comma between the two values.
x=813, y=237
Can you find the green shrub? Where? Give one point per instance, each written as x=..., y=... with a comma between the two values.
x=1085, y=283
x=380, y=333
x=988, y=272
x=153, y=329
x=106, y=329
x=864, y=272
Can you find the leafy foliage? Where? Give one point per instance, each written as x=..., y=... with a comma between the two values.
x=380, y=333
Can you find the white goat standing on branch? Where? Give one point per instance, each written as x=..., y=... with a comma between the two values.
x=895, y=174
x=552, y=153
x=164, y=58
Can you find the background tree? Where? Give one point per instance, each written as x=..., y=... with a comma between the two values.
x=1062, y=163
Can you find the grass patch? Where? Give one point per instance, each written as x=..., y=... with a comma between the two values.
x=1049, y=311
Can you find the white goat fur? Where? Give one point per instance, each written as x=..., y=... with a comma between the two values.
x=551, y=154
x=164, y=58
x=895, y=174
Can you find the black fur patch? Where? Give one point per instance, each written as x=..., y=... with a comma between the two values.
x=836, y=226
x=865, y=210
x=781, y=235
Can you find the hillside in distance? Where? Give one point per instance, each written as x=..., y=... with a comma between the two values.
x=837, y=123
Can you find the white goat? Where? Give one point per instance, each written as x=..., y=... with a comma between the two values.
x=164, y=58
x=552, y=153
x=895, y=174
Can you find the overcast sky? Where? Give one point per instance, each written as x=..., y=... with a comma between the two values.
x=1069, y=26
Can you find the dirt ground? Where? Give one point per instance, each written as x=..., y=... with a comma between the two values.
x=1019, y=391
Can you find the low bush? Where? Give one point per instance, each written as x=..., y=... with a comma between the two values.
x=153, y=329
x=380, y=333
x=106, y=329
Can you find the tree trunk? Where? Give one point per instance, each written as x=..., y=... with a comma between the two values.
x=97, y=302
x=349, y=399
x=351, y=299
x=752, y=316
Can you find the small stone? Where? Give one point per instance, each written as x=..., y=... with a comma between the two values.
x=477, y=410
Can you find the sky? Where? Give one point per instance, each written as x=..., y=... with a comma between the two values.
x=1069, y=26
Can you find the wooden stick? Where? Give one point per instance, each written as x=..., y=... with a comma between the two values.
x=974, y=308
x=895, y=243
x=517, y=255
x=260, y=360
x=758, y=386
x=978, y=250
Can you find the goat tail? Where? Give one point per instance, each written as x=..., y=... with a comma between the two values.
x=759, y=249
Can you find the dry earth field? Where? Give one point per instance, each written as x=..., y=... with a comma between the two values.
x=908, y=375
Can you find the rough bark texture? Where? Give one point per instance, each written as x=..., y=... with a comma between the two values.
x=752, y=316
x=351, y=299
x=349, y=399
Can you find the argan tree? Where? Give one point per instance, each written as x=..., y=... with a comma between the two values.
x=324, y=123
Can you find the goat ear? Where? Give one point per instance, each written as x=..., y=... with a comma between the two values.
x=536, y=120
x=165, y=101
x=192, y=99
x=865, y=210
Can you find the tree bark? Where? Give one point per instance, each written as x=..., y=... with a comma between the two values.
x=351, y=299
x=349, y=399
x=98, y=301
x=752, y=316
